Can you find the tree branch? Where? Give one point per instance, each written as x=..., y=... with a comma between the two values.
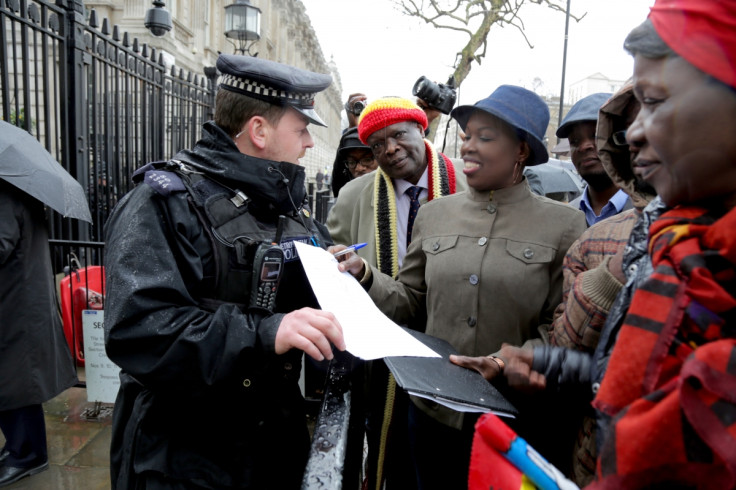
x=474, y=18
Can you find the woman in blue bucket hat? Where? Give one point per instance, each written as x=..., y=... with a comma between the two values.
x=486, y=264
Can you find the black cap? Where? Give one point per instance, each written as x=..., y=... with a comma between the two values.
x=351, y=141
x=273, y=82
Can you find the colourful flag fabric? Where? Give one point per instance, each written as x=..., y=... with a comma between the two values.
x=501, y=460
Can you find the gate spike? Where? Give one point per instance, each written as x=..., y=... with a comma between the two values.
x=93, y=23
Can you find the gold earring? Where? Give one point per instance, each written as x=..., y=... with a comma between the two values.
x=517, y=168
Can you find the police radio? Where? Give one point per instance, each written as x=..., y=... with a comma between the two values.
x=268, y=264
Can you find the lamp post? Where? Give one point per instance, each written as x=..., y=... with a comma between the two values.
x=564, y=63
x=158, y=19
x=243, y=25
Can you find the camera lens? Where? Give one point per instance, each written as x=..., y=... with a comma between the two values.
x=426, y=90
x=420, y=86
x=358, y=107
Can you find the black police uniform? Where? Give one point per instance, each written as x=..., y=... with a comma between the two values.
x=203, y=398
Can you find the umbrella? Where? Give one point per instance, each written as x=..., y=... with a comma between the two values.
x=548, y=178
x=562, y=148
x=26, y=164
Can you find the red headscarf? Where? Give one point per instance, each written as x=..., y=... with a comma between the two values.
x=703, y=32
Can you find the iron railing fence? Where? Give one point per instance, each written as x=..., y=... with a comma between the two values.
x=101, y=103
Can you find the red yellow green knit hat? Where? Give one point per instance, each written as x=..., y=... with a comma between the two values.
x=387, y=111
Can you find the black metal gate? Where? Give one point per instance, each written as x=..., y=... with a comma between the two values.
x=101, y=103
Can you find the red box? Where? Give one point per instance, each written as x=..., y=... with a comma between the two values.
x=83, y=289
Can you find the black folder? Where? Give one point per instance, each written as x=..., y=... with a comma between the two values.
x=442, y=381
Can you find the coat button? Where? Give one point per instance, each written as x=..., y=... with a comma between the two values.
x=246, y=383
x=471, y=321
x=287, y=366
x=595, y=387
x=473, y=279
x=528, y=253
x=483, y=240
x=491, y=208
x=436, y=246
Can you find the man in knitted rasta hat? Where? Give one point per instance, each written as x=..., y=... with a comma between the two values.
x=375, y=208
x=379, y=209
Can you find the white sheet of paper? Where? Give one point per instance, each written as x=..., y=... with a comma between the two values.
x=369, y=334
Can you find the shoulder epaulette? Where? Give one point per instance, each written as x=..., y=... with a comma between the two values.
x=164, y=181
x=163, y=176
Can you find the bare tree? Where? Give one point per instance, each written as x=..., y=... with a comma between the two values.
x=475, y=18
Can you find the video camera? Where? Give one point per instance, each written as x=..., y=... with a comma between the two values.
x=436, y=95
x=356, y=109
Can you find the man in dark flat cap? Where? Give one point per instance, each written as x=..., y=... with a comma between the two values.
x=208, y=311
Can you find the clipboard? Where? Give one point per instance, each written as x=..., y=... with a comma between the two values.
x=437, y=379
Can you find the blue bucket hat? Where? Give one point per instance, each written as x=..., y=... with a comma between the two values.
x=586, y=109
x=519, y=107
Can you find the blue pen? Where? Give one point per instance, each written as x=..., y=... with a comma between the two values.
x=351, y=248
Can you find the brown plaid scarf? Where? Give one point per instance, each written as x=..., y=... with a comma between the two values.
x=671, y=380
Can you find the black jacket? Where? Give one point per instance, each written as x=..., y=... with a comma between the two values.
x=203, y=396
x=35, y=362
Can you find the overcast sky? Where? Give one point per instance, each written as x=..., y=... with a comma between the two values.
x=379, y=51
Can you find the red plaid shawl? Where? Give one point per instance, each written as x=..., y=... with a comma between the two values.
x=671, y=380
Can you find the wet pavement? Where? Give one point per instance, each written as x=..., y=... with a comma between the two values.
x=78, y=438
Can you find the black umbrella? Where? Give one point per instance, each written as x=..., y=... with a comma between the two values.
x=26, y=164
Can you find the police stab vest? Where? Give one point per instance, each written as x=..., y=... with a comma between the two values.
x=235, y=227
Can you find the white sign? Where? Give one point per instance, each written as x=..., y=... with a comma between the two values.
x=102, y=374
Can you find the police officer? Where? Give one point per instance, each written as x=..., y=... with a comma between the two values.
x=205, y=320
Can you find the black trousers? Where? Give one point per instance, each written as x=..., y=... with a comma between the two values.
x=25, y=436
x=440, y=454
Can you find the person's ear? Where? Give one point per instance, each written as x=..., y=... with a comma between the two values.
x=258, y=130
x=525, y=152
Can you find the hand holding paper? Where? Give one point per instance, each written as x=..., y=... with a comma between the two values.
x=369, y=334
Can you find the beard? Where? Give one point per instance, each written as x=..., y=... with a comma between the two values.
x=599, y=181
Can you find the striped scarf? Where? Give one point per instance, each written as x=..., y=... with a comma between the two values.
x=441, y=181
x=441, y=177
x=671, y=380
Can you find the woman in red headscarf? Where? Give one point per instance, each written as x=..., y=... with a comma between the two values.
x=670, y=387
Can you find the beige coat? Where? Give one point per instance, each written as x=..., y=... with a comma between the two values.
x=489, y=269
